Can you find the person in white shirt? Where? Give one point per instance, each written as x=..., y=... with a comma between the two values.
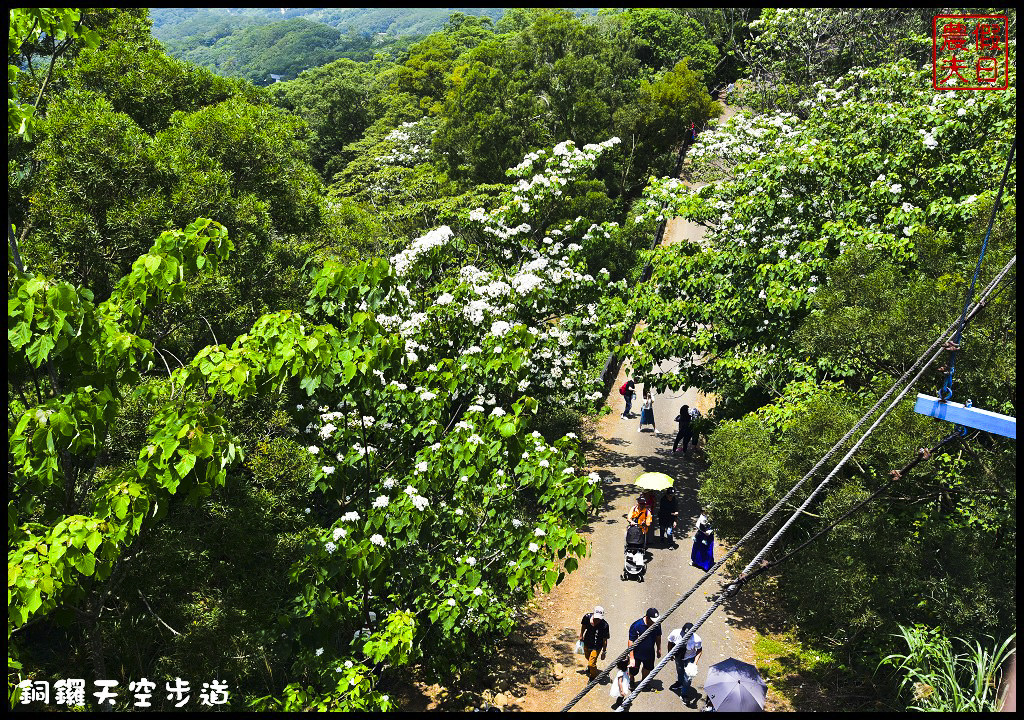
x=686, y=656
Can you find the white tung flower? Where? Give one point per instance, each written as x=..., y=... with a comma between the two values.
x=539, y=532
x=328, y=469
x=421, y=467
x=533, y=547
x=313, y=449
x=420, y=502
x=352, y=516
x=381, y=501
x=339, y=533
x=478, y=592
x=377, y=539
x=330, y=547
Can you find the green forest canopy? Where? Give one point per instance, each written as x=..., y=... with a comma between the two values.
x=228, y=302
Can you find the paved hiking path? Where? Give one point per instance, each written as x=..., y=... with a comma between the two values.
x=620, y=455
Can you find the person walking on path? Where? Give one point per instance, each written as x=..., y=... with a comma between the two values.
x=620, y=685
x=695, y=424
x=647, y=412
x=667, y=511
x=687, y=656
x=685, y=429
x=594, y=634
x=641, y=515
x=628, y=391
x=703, y=553
x=643, y=654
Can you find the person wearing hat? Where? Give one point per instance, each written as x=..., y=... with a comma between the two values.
x=703, y=553
x=641, y=514
x=687, y=656
x=643, y=653
x=594, y=633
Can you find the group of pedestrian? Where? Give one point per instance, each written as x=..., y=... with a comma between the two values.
x=643, y=512
x=594, y=629
x=643, y=653
x=686, y=417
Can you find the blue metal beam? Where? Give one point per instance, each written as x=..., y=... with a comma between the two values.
x=964, y=415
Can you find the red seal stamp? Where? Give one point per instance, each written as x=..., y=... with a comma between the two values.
x=970, y=52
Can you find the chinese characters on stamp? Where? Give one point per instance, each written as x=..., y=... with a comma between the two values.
x=970, y=52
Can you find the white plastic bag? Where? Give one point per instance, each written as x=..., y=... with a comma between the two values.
x=579, y=647
x=690, y=669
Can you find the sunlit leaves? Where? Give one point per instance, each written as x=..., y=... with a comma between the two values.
x=791, y=195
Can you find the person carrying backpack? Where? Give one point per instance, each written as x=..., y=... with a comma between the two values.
x=628, y=392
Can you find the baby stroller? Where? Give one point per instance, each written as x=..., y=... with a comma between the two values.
x=636, y=546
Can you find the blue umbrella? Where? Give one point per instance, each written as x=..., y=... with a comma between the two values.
x=735, y=686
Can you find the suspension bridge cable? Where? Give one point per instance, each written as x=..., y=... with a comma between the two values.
x=922, y=454
x=946, y=391
x=734, y=586
x=842, y=441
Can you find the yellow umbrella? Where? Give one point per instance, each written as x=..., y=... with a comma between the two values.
x=654, y=481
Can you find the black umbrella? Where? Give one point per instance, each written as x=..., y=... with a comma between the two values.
x=735, y=686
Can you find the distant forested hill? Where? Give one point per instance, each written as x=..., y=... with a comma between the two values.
x=256, y=50
x=167, y=22
x=255, y=43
